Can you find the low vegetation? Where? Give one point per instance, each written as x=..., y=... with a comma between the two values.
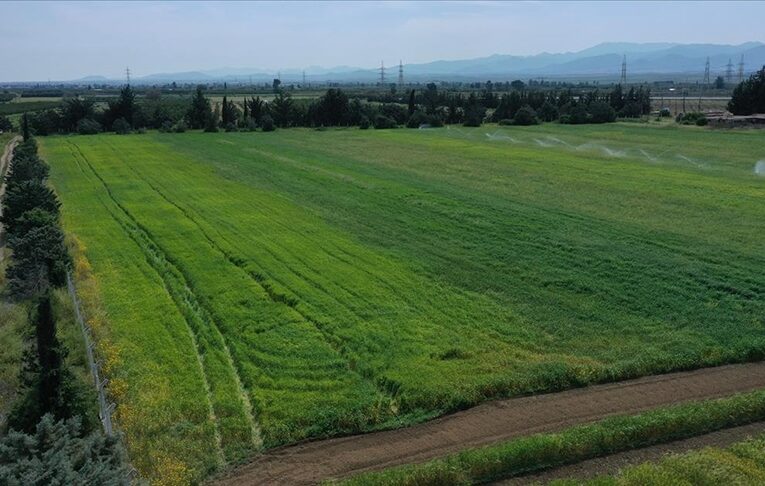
x=302, y=284
x=544, y=451
x=742, y=463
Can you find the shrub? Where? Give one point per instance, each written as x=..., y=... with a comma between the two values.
x=166, y=127
x=121, y=126
x=267, y=123
x=180, y=127
x=364, y=123
x=86, y=126
x=665, y=113
x=382, y=121
x=474, y=116
x=505, y=122
x=5, y=124
x=601, y=112
x=692, y=118
x=548, y=112
x=525, y=116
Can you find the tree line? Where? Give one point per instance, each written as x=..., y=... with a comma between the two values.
x=52, y=438
x=429, y=106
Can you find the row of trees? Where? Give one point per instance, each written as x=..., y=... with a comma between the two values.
x=50, y=420
x=335, y=108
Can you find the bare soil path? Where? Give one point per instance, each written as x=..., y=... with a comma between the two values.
x=608, y=465
x=312, y=462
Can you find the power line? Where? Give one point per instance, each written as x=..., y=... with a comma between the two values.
x=706, y=72
x=729, y=71
x=623, y=79
x=741, y=69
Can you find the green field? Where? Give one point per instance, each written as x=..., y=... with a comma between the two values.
x=255, y=289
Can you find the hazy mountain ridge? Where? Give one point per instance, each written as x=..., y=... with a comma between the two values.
x=600, y=60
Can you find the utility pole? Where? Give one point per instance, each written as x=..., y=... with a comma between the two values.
x=623, y=79
x=127, y=75
x=741, y=69
x=400, y=73
x=729, y=71
x=382, y=73
x=706, y=73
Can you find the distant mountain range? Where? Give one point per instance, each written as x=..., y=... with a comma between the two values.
x=644, y=61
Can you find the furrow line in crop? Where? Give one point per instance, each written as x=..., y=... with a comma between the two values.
x=205, y=336
x=382, y=385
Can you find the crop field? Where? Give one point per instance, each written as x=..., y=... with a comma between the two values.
x=249, y=290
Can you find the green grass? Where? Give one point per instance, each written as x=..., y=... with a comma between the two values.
x=302, y=284
x=741, y=463
x=544, y=451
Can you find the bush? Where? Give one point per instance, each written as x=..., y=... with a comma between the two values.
x=474, y=116
x=121, y=126
x=364, y=123
x=267, y=123
x=525, y=116
x=382, y=121
x=180, y=127
x=506, y=122
x=601, y=112
x=665, y=113
x=86, y=126
x=166, y=127
x=693, y=118
x=548, y=112
x=5, y=124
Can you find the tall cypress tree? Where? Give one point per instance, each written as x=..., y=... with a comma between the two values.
x=412, y=106
x=224, y=112
x=25, y=127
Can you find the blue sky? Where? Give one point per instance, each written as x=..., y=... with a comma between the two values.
x=67, y=40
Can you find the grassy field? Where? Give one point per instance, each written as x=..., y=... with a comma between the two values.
x=255, y=289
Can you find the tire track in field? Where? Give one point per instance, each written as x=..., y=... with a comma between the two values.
x=489, y=423
x=381, y=384
x=186, y=302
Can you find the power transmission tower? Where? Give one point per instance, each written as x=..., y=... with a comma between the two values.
x=741, y=69
x=400, y=73
x=127, y=75
x=382, y=73
x=623, y=79
x=304, y=78
x=729, y=71
x=706, y=73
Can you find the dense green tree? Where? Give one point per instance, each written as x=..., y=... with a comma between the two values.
x=25, y=196
x=257, y=109
x=61, y=453
x=281, y=109
x=40, y=259
x=75, y=109
x=412, y=107
x=525, y=116
x=25, y=132
x=200, y=111
x=601, y=112
x=333, y=109
x=5, y=124
x=123, y=107
x=749, y=96
x=548, y=111
x=719, y=83
x=430, y=98
x=474, y=112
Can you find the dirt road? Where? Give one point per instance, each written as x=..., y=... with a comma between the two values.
x=491, y=422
